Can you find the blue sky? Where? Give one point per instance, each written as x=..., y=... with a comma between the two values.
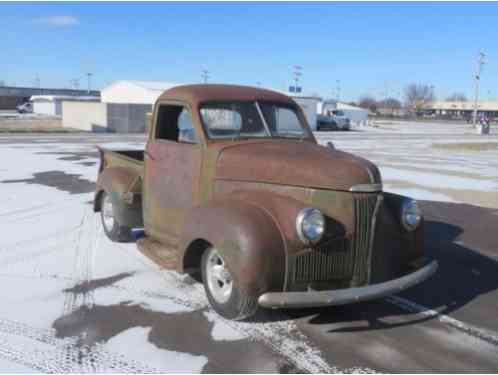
x=372, y=48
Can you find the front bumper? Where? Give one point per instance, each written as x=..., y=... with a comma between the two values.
x=345, y=296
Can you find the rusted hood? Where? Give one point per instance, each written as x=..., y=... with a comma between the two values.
x=294, y=163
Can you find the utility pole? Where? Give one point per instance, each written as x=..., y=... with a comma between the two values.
x=37, y=83
x=89, y=80
x=205, y=75
x=338, y=89
x=480, y=63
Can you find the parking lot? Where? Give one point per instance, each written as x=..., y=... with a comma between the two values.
x=73, y=301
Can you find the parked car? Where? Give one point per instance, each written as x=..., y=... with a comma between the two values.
x=333, y=120
x=233, y=189
x=326, y=123
x=343, y=122
x=26, y=107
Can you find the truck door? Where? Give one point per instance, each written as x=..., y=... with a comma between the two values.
x=172, y=170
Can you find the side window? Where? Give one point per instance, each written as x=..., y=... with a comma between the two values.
x=186, y=127
x=174, y=123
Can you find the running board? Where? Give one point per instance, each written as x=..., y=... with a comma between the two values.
x=165, y=256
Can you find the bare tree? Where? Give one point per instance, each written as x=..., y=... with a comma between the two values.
x=418, y=96
x=390, y=103
x=368, y=102
x=457, y=97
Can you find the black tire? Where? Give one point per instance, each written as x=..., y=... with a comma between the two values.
x=115, y=232
x=239, y=305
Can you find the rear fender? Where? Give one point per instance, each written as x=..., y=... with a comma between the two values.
x=248, y=239
x=119, y=183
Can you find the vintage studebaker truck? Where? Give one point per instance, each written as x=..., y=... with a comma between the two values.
x=233, y=189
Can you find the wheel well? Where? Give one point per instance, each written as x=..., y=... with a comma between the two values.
x=97, y=203
x=193, y=258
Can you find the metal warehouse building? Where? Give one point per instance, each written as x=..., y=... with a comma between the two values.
x=128, y=102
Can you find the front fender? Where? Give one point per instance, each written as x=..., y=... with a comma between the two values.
x=247, y=237
x=395, y=249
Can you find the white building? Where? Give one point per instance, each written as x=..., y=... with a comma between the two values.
x=135, y=92
x=51, y=105
x=309, y=105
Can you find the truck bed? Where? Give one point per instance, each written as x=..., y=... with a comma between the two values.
x=131, y=159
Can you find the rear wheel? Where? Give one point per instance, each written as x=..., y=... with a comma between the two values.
x=226, y=298
x=112, y=228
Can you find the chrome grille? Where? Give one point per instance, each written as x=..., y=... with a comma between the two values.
x=365, y=206
x=341, y=259
x=329, y=261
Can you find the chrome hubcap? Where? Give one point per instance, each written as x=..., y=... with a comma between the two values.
x=107, y=213
x=219, y=280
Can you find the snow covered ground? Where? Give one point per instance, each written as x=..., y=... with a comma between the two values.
x=72, y=301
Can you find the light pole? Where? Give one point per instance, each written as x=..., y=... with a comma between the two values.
x=338, y=88
x=480, y=63
x=205, y=75
x=297, y=75
x=89, y=78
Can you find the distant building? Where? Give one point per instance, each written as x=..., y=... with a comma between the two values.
x=51, y=105
x=459, y=109
x=309, y=105
x=11, y=96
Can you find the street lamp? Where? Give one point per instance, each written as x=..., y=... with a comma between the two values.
x=480, y=63
x=297, y=75
x=205, y=75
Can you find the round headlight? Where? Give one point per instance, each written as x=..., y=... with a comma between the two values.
x=310, y=225
x=411, y=215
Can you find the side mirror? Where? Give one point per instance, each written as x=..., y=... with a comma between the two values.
x=330, y=145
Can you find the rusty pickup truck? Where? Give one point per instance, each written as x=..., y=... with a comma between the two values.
x=233, y=189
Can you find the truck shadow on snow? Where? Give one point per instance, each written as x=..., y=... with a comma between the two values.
x=463, y=239
x=184, y=330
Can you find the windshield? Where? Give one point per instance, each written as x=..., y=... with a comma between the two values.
x=251, y=120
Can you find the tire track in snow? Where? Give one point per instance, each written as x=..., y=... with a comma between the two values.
x=41, y=350
x=86, y=242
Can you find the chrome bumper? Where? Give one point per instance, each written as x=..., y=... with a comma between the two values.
x=345, y=296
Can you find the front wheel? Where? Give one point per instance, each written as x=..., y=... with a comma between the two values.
x=226, y=298
x=112, y=228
